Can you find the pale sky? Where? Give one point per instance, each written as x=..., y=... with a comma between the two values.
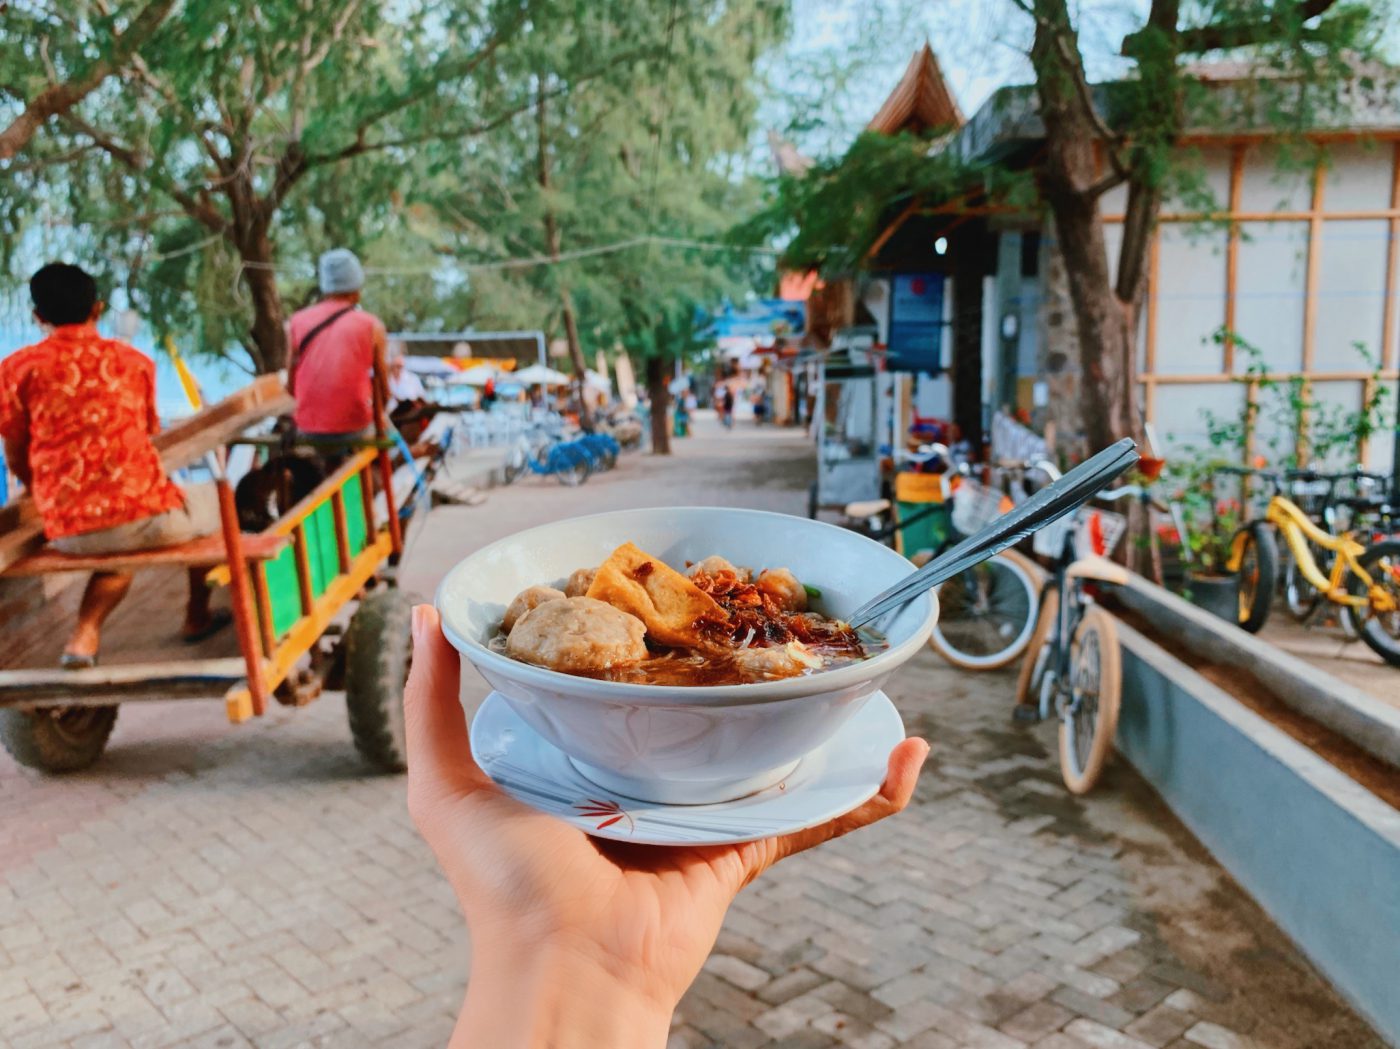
x=845, y=56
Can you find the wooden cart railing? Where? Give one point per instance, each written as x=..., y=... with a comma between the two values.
x=335, y=548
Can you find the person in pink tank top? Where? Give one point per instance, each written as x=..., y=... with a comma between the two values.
x=335, y=350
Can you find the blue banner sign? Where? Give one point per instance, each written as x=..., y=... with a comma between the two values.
x=916, y=323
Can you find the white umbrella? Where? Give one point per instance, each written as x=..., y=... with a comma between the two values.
x=428, y=366
x=539, y=375
x=477, y=376
x=597, y=381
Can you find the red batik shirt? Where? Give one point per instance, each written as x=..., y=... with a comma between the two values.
x=86, y=406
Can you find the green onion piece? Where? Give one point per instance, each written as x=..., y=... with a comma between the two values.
x=811, y=590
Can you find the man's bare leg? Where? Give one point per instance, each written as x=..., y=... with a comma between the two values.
x=104, y=592
x=197, y=614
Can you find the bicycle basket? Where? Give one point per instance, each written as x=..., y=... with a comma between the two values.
x=1096, y=533
x=975, y=506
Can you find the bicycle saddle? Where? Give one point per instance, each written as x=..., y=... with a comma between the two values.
x=869, y=508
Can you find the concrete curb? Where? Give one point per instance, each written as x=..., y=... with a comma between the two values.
x=1364, y=720
x=1318, y=851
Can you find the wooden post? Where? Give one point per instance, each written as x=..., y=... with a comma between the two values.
x=303, y=560
x=342, y=530
x=1310, y=306
x=1388, y=334
x=386, y=468
x=240, y=591
x=1232, y=257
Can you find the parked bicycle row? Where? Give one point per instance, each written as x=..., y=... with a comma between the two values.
x=571, y=461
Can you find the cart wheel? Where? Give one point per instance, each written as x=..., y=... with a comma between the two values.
x=378, y=647
x=58, y=739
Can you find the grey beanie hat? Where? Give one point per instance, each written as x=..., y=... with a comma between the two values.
x=341, y=272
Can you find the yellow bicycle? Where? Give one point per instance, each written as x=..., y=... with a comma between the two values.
x=1363, y=579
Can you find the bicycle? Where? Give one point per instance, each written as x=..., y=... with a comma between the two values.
x=1073, y=666
x=1372, y=600
x=1320, y=496
x=986, y=614
x=567, y=463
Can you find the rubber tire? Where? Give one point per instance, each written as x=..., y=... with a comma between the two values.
x=1379, y=643
x=1083, y=780
x=36, y=741
x=1300, y=597
x=1032, y=666
x=378, y=650
x=514, y=465
x=577, y=471
x=1261, y=536
x=957, y=658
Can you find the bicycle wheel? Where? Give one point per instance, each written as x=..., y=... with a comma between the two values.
x=1299, y=596
x=986, y=614
x=1380, y=630
x=1258, y=575
x=1090, y=720
x=569, y=466
x=1038, y=650
x=517, y=460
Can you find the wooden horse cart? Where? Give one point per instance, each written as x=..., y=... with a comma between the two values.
x=312, y=606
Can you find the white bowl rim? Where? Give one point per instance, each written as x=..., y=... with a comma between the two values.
x=869, y=669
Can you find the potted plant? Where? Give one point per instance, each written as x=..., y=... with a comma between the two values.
x=1211, y=520
x=1211, y=526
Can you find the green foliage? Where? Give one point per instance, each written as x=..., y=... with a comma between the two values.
x=258, y=132
x=1285, y=408
x=830, y=216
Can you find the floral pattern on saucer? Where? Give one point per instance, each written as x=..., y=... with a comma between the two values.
x=844, y=772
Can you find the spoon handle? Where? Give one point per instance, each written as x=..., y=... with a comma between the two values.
x=1049, y=504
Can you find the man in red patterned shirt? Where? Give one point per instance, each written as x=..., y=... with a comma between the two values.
x=77, y=412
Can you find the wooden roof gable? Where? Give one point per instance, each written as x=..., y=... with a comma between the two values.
x=920, y=101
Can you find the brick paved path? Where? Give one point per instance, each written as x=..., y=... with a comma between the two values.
x=212, y=886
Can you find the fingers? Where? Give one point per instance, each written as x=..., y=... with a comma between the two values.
x=901, y=776
x=439, y=752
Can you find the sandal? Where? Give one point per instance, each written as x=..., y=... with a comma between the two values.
x=73, y=661
x=218, y=619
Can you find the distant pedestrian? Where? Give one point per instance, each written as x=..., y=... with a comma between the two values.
x=727, y=411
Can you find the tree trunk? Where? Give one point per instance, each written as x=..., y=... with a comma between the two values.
x=268, y=332
x=1107, y=326
x=659, y=392
x=551, y=240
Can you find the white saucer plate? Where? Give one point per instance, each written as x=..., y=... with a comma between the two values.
x=839, y=775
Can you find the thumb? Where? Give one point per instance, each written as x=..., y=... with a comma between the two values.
x=440, y=760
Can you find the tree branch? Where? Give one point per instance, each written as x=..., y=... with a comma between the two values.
x=200, y=210
x=1226, y=35
x=61, y=97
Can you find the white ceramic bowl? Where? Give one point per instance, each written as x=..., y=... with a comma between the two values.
x=678, y=745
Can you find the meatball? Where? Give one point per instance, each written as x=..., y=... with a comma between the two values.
x=530, y=597
x=782, y=586
x=714, y=565
x=577, y=634
x=786, y=661
x=579, y=582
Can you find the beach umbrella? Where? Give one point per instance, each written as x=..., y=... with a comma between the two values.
x=539, y=375
x=420, y=365
x=479, y=375
x=597, y=381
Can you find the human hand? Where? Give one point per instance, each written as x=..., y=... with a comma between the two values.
x=576, y=941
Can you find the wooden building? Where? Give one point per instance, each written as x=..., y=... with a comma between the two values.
x=1298, y=259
